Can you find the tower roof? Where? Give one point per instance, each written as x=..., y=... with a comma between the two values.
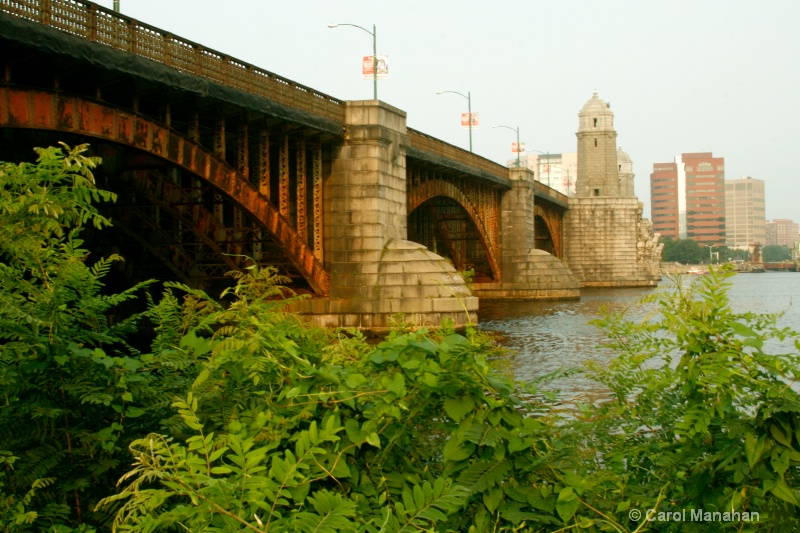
x=595, y=116
x=595, y=106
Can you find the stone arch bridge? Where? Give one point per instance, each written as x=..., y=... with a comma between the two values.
x=218, y=163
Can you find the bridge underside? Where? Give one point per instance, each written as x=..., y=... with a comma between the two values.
x=168, y=223
x=208, y=177
x=445, y=228
x=455, y=216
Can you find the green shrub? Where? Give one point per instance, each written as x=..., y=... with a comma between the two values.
x=243, y=418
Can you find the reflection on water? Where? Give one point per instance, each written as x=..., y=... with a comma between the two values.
x=549, y=336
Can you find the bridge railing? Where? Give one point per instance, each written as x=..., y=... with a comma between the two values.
x=100, y=25
x=543, y=191
x=432, y=145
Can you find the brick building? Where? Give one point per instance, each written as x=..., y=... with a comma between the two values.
x=783, y=232
x=665, y=200
x=691, y=192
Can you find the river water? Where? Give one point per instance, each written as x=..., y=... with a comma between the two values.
x=548, y=336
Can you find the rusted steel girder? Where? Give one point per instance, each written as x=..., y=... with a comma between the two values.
x=553, y=219
x=44, y=110
x=479, y=201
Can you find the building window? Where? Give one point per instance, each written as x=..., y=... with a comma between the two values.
x=595, y=123
x=597, y=192
x=595, y=142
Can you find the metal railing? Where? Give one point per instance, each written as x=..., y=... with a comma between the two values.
x=100, y=25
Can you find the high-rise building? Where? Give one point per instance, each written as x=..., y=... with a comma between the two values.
x=705, y=197
x=689, y=195
x=783, y=232
x=745, y=222
x=664, y=200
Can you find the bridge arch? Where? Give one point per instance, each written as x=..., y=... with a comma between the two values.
x=36, y=109
x=439, y=212
x=547, y=229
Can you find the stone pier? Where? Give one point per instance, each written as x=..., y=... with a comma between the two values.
x=527, y=273
x=610, y=244
x=377, y=276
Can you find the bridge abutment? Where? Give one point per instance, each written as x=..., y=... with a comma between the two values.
x=527, y=273
x=377, y=276
x=610, y=244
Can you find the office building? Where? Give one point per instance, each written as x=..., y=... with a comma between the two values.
x=782, y=232
x=664, y=200
x=688, y=198
x=745, y=222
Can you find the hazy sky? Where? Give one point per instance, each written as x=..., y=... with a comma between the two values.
x=681, y=76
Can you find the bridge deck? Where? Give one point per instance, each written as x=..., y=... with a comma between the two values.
x=80, y=22
x=97, y=24
x=432, y=150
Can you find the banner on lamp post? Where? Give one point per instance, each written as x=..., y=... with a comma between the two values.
x=516, y=148
x=465, y=120
x=367, y=66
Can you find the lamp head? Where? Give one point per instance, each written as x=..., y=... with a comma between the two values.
x=439, y=92
x=333, y=25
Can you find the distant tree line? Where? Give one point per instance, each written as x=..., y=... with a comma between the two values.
x=689, y=252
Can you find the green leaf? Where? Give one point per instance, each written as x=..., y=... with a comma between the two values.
x=780, y=436
x=396, y=383
x=353, y=431
x=354, y=380
x=374, y=440
x=567, y=503
x=784, y=492
x=481, y=476
x=458, y=408
x=492, y=498
x=455, y=451
x=753, y=448
x=134, y=412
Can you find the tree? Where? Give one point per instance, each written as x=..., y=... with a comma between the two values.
x=74, y=392
x=773, y=253
x=685, y=251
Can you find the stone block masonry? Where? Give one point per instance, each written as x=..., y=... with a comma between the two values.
x=610, y=244
x=527, y=273
x=378, y=277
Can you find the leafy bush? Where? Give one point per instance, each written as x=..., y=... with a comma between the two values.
x=703, y=417
x=242, y=418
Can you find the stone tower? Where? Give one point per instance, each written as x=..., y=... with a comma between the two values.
x=609, y=244
x=625, y=166
x=598, y=174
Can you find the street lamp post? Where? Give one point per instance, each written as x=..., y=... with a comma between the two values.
x=469, y=111
x=519, y=146
x=116, y=6
x=374, y=34
x=710, y=253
